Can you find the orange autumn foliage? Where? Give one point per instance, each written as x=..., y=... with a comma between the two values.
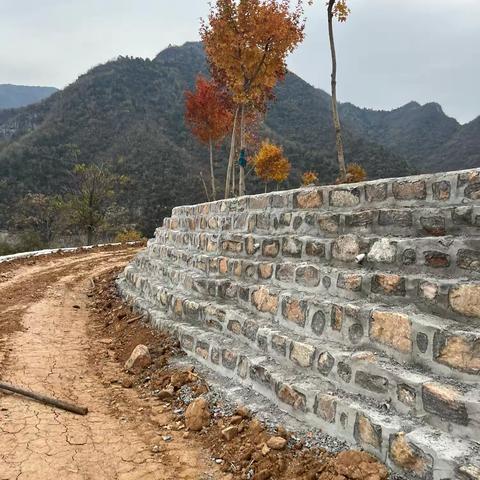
x=309, y=178
x=270, y=164
x=208, y=111
x=355, y=173
x=340, y=9
x=253, y=124
x=247, y=42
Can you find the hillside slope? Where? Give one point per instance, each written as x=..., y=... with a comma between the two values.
x=131, y=110
x=423, y=134
x=462, y=149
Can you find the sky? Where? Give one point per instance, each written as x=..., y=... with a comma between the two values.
x=389, y=52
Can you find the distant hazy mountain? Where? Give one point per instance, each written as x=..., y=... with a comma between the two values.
x=423, y=134
x=462, y=149
x=15, y=96
x=132, y=110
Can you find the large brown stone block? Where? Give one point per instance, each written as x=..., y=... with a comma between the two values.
x=410, y=190
x=459, y=352
x=291, y=397
x=444, y=401
x=295, y=311
x=392, y=329
x=311, y=198
x=264, y=301
x=326, y=407
x=302, y=354
x=465, y=299
x=349, y=281
x=388, y=284
x=367, y=433
x=410, y=458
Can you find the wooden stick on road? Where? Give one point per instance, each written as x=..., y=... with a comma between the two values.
x=44, y=399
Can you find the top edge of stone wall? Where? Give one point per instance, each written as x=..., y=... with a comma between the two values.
x=443, y=188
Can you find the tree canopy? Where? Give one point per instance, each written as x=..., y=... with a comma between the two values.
x=208, y=111
x=270, y=163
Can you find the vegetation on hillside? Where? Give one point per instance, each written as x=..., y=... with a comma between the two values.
x=130, y=111
x=87, y=212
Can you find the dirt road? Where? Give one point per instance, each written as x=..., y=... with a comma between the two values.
x=46, y=346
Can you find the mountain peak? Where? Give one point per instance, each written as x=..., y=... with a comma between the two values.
x=434, y=106
x=174, y=52
x=410, y=106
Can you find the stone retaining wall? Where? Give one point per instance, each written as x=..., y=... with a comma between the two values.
x=356, y=308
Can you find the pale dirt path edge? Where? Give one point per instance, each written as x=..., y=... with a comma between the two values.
x=51, y=355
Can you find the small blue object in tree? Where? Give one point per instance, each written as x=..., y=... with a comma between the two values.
x=242, y=160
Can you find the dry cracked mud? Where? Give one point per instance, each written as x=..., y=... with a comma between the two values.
x=65, y=332
x=45, y=347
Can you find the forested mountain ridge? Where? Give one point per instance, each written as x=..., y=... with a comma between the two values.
x=423, y=134
x=15, y=96
x=130, y=111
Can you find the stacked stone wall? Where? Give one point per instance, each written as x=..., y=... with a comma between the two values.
x=357, y=308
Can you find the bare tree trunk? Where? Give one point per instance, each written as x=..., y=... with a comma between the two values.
x=89, y=235
x=241, y=180
x=234, y=171
x=204, y=186
x=336, y=120
x=212, y=173
x=231, y=158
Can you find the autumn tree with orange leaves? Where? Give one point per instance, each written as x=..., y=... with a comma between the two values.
x=247, y=42
x=355, y=173
x=208, y=113
x=309, y=178
x=270, y=164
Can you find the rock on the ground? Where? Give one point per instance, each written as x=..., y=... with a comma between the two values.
x=197, y=415
x=139, y=359
x=276, y=443
x=165, y=393
x=243, y=411
x=236, y=420
x=229, y=433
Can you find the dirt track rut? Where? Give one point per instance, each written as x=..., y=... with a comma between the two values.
x=46, y=348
